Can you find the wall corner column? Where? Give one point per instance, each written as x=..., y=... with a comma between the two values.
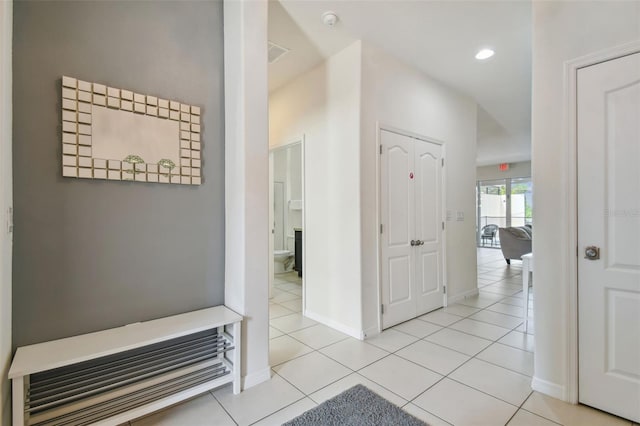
x=6, y=202
x=246, y=180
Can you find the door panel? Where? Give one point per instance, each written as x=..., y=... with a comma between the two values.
x=609, y=217
x=428, y=187
x=398, y=192
x=428, y=193
x=429, y=272
x=624, y=176
x=400, y=278
x=397, y=215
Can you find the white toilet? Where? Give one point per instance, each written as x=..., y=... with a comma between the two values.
x=282, y=261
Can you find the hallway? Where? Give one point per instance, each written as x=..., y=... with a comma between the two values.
x=469, y=363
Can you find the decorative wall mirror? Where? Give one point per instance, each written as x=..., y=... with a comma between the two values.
x=116, y=134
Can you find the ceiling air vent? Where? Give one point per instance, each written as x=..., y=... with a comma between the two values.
x=276, y=52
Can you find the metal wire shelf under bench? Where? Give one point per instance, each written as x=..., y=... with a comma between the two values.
x=110, y=377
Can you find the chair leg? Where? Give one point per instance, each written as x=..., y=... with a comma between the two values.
x=508, y=261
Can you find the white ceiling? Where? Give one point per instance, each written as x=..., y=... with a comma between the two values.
x=439, y=37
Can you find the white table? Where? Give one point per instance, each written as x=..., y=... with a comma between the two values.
x=527, y=272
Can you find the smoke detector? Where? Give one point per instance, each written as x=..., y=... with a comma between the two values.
x=330, y=18
x=276, y=52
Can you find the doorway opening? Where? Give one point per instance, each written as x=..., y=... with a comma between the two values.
x=502, y=203
x=287, y=230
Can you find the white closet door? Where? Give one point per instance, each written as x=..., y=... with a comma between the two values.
x=411, y=206
x=398, y=219
x=428, y=219
x=609, y=219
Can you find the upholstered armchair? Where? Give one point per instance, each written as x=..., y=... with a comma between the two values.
x=515, y=242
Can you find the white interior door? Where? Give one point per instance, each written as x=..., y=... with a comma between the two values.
x=428, y=219
x=398, y=221
x=411, y=205
x=609, y=218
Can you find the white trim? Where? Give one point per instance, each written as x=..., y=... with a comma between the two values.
x=380, y=127
x=304, y=222
x=294, y=141
x=378, y=329
x=271, y=227
x=371, y=332
x=255, y=378
x=570, y=122
x=548, y=388
x=357, y=334
x=458, y=297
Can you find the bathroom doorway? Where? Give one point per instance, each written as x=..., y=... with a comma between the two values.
x=286, y=243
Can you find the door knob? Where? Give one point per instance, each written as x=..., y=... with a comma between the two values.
x=414, y=243
x=592, y=253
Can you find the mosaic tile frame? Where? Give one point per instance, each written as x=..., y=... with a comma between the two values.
x=78, y=99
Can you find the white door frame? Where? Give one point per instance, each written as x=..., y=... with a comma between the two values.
x=571, y=175
x=380, y=127
x=272, y=149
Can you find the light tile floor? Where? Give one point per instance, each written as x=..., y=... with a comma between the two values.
x=467, y=364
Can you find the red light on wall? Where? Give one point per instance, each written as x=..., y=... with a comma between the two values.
x=504, y=167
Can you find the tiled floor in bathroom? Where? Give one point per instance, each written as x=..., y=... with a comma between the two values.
x=468, y=364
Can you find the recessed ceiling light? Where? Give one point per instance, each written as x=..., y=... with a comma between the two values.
x=484, y=54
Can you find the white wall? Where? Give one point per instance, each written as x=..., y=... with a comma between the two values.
x=398, y=95
x=247, y=180
x=6, y=31
x=324, y=105
x=521, y=169
x=562, y=31
x=337, y=111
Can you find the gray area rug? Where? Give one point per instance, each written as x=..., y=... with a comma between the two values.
x=357, y=406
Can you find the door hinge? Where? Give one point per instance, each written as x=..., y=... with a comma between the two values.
x=380, y=149
x=381, y=226
x=444, y=289
x=443, y=226
x=382, y=309
x=443, y=162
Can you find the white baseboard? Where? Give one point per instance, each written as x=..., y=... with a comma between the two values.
x=253, y=379
x=548, y=388
x=458, y=297
x=357, y=334
x=371, y=331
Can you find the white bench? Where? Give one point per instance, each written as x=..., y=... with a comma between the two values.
x=110, y=377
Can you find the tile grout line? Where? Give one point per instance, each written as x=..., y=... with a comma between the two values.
x=288, y=405
x=447, y=376
x=223, y=407
x=443, y=327
x=535, y=414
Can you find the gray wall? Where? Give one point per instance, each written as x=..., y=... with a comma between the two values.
x=90, y=255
